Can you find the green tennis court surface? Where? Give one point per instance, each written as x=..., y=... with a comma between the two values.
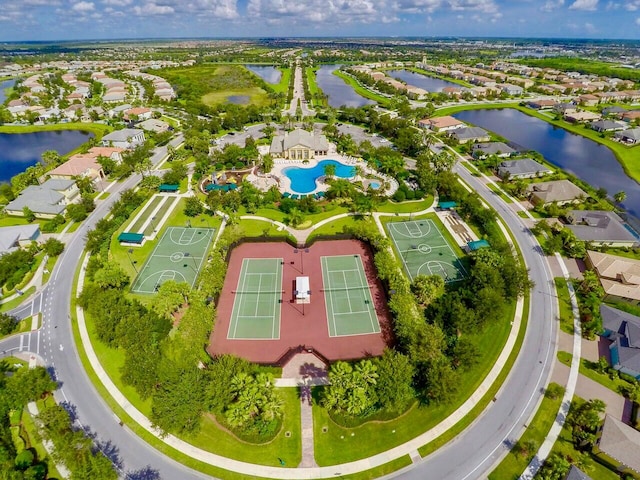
x=424, y=250
x=350, y=309
x=178, y=256
x=257, y=302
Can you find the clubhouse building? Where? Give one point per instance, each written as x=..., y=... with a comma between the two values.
x=299, y=145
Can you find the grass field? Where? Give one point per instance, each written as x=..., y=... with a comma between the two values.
x=150, y=207
x=564, y=302
x=361, y=90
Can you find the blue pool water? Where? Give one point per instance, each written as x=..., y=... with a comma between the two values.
x=303, y=180
x=374, y=185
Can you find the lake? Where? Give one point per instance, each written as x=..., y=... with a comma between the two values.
x=21, y=150
x=430, y=84
x=338, y=92
x=268, y=73
x=584, y=158
x=239, y=99
x=3, y=86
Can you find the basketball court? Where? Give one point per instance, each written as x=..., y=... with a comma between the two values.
x=425, y=251
x=350, y=308
x=179, y=256
x=258, y=300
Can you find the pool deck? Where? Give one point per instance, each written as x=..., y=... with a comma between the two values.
x=277, y=177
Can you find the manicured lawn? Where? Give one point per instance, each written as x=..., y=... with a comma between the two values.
x=361, y=90
x=514, y=464
x=336, y=226
x=314, y=89
x=29, y=428
x=285, y=78
x=11, y=304
x=588, y=369
x=390, y=206
x=98, y=129
x=502, y=195
x=261, y=228
x=564, y=302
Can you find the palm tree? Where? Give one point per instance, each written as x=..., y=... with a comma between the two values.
x=620, y=197
x=329, y=170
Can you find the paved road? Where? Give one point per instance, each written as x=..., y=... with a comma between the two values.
x=467, y=457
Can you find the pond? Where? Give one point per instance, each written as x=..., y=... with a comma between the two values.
x=339, y=93
x=3, y=86
x=268, y=73
x=430, y=84
x=580, y=156
x=238, y=99
x=303, y=180
x=21, y=150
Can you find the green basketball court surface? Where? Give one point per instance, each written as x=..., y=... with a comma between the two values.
x=179, y=256
x=258, y=300
x=424, y=250
x=350, y=308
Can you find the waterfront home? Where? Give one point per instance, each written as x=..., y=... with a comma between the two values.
x=580, y=117
x=522, y=168
x=79, y=165
x=631, y=136
x=619, y=276
x=541, y=104
x=614, y=111
x=46, y=200
x=441, y=124
x=601, y=227
x=623, y=329
x=631, y=115
x=565, y=108
x=608, y=126
x=618, y=444
x=126, y=138
x=483, y=150
x=470, y=134
x=561, y=192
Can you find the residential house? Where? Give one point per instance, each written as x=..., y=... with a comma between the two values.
x=630, y=115
x=588, y=100
x=619, y=444
x=601, y=227
x=452, y=91
x=137, y=114
x=623, y=329
x=613, y=111
x=470, y=134
x=119, y=110
x=441, y=124
x=125, y=138
x=564, y=108
x=541, y=104
x=561, y=192
x=631, y=136
x=619, y=276
x=299, y=145
x=511, y=89
x=608, y=126
x=46, y=200
x=12, y=238
x=80, y=165
x=575, y=473
x=154, y=125
x=580, y=117
x=114, y=153
x=522, y=168
x=499, y=149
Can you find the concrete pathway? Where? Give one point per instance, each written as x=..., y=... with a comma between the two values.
x=306, y=425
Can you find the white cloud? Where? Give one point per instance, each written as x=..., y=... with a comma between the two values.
x=632, y=5
x=551, y=5
x=482, y=6
x=588, y=5
x=317, y=11
x=152, y=9
x=83, y=7
x=117, y=3
x=638, y=21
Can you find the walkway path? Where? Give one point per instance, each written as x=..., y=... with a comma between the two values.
x=306, y=425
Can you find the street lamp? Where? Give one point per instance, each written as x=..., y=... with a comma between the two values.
x=153, y=223
x=305, y=250
x=187, y=255
x=133, y=264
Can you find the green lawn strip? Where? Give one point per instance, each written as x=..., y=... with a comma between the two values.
x=22, y=326
x=334, y=227
x=514, y=464
x=98, y=129
x=328, y=210
x=11, y=304
x=11, y=221
x=627, y=156
x=587, y=368
x=134, y=426
x=261, y=228
x=493, y=187
x=564, y=446
x=314, y=89
x=377, y=472
x=390, y=206
x=285, y=78
x=360, y=90
x=51, y=262
x=151, y=204
x=29, y=428
x=435, y=75
x=564, y=303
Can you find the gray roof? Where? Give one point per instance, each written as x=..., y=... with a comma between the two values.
x=469, y=133
x=575, y=473
x=10, y=236
x=621, y=442
x=606, y=125
x=492, y=148
x=556, y=191
x=121, y=135
x=298, y=136
x=610, y=110
x=599, y=226
x=523, y=166
x=43, y=198
x=633, y=133
x=616, y=320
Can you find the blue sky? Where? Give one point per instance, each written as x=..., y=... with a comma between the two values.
x=104, y=19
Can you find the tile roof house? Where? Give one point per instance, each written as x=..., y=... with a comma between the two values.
x=12, y=238
x=522, y=168
x=631, y=136
x=299, y=145
x=619, y=444
x=541, y=104
x=441, y=124
x=601, y=227
x=46, y=200
x=499, y=149
x=139, y=113
x=623, y=329
x=470, y=134
x=579, y=117
x=79, y=165
x=154, y=125
x=619, y=276
x=125, y=138
x=561, y=192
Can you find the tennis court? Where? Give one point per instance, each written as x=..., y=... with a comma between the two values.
x=425, y=251
x=258, y=299
x=179, y=256
x=350, y=308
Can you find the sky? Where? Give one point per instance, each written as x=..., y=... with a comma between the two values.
x=22, y=20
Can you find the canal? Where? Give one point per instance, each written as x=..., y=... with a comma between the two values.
x=339, y=93
x=588, y=160
x=268, y=73
x=430, y=84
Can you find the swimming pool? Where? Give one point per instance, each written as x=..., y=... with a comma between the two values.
x=303, y=180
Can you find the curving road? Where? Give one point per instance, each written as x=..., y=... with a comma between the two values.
x=469, y=456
